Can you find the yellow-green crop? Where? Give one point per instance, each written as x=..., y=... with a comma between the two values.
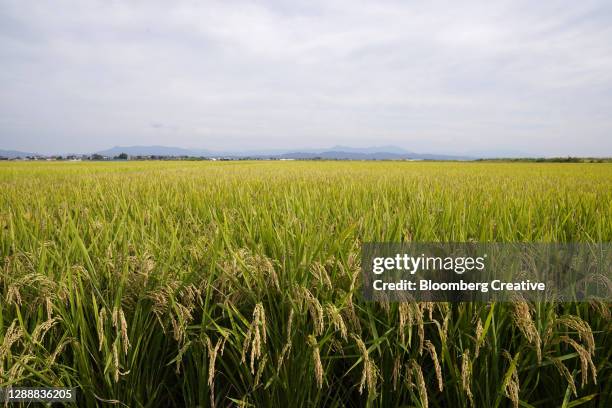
x=238, y=283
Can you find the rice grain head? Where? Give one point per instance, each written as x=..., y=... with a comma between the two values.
x=478, y=335
x=563, y=370
x=438, y=369
x=333, y=314
x=521, y=316
x=315, y=309
x=512, y=388
x=11, y=336
x=100, y=327
x=420, y=383
x=316, y=358
x=397, y=365
x=212, y=357
x=260, y=370
x=584, y=330
x=257, y=334
x=369, y=373
x=466, y=375
x=41, y=330
x=405, y=319
x=586, y=362
x=125, y=341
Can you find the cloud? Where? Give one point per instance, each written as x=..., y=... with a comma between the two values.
x=163, y=126
x=435, y=76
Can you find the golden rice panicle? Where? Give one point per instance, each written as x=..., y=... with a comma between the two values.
x=58, y=350
x=352, y=314
x=120, y=325
x=420, y=383
x=125, y=341
x=116, y=361
x=478, y=336
x=316, y=358
x=409, y=314
x=320, y=272
x=521, y=316
x=262, y=266
x=11, y=336
x=466, y=375
x=409, y=382
x=413, y=313
x=365, y=356
x=287, y=347
x=49, y=307
x=603, y=308
x=586, y=362
x=397, y=366
x=179, y=356
x=512, y=388
x=333, y=314
x=259, y=317
x=246, y=344
x=315, y=309
x=421, y=332
x=41, y=330
x=15, y=373
x=255, y=336
x=369, y=373
x=438, y=369
x=260, y=370
x=283, y=355
x=13, y=296
x=563, y=370
x=405, y=319
x=212, y=358
x=100, y=327
x=115, y=317
x=443, y=328
x=582, y=328
x=429, y=306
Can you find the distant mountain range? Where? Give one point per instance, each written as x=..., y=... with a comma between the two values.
x=153, y=151
x=11, y=154
x=332, y=153
x=381, y=155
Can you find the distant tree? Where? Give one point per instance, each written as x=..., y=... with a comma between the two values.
x=122, y=156
x=97, y=156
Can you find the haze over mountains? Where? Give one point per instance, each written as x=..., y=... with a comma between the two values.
x=333, y=153
x=338, y=152
x=11, y=154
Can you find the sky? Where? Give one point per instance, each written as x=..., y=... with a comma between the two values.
x=430, y=76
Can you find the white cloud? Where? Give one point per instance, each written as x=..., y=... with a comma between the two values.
x=435, y=76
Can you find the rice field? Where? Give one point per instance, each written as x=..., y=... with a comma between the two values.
x=238, y=284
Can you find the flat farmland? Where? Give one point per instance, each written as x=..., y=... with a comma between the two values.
x=190, y=283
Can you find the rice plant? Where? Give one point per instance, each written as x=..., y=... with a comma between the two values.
x=238, y=284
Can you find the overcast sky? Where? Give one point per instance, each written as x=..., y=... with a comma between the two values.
x=428, y=76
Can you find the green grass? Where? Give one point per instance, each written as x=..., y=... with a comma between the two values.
x=199, y=283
